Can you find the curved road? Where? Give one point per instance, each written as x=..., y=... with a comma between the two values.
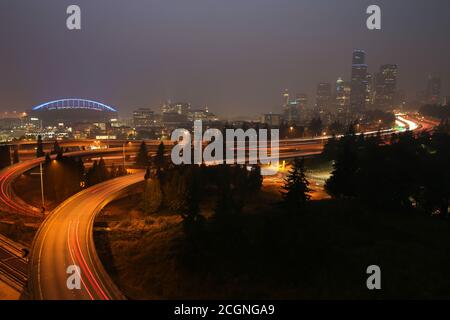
x=66, y=238
x=8, y=198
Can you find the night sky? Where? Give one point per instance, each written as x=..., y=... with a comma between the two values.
x=234, y=55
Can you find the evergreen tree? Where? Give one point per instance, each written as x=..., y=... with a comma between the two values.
x=159, y=157
x=315, y=126
x=147, y=174
x=40, y=147
x=5, y=156
x=56, y=148
x=255, y=179
x=152, y=196
x=296, y=190
x=102, y=170
x=194, y=195
x=48, y=159
x=224, y=203
x=16, y=156
x=113, y=171
x=142, y=156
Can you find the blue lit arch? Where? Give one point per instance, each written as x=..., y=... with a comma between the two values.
x=65, y=104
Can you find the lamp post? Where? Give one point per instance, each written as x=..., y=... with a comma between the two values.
x=123, y=154
x=42, y=187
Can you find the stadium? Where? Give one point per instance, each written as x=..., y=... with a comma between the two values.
x=70, y=111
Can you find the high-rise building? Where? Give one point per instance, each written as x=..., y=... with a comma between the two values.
x=433, y=92
x=294, y=109
x=181, y=108
x=386, y=86
x=302, y=104
x=323, y=97
x=290, y=111
x=143, y=118
x=343, y=90
x=271, y=119
x=358, y=81
x=370, y=90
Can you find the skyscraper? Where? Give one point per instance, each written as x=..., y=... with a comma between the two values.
x=386, y=86
x=358, y=81
x=294, y=109
x=143, y=118
x=323, y=97
x=433, y=92
x=343, y=90
x=370, y=89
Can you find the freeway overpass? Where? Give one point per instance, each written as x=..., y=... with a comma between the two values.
x=288, y=149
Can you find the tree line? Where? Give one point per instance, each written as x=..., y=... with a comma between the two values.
x=409, y=172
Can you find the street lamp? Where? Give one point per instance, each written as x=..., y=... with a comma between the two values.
x=42, y=188
x=123, y=151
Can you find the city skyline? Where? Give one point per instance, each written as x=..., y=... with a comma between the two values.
x=141, y=65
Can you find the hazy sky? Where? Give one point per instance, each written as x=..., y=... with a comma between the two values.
x=234, y=55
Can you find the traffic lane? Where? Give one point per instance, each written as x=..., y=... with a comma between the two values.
x=68, y=240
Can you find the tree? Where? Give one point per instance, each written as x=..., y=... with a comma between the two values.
x=40, y=147
x=16, y=156
x=121, y=171
x=176, y=191
x=159, y=157
x=224, y=203
x=255, y=179
x=315, y=126
x=102, y=171
x=147, y=174
x=5, y=156
x=342, y=182
x=152, y=196
x=296, y=190
x=142, y=156
x=56, y=148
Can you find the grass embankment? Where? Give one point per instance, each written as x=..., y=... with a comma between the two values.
x=322, y=252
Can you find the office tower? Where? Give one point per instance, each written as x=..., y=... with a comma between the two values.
x=433, y=92
x=290, y=110
x=271, y=119
x=358, y=81
x=386, y=87
x=294, y=109
x=143, y=118
x=343, y=90
x=182, y=108
x=323, y=97
x=370, y=90
x=301, y=101
x=285, y=97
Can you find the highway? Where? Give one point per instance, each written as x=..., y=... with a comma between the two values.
x=9, y=200
x=289, y=148
x=13, y=268
x=66, y=238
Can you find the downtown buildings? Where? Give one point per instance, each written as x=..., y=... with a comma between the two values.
x=345, y=101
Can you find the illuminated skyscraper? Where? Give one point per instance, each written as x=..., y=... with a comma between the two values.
x=143, y=118
x=358, y=81
x=323, y=97
x=343, y=90
x=294, y=109
x=386, y=86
